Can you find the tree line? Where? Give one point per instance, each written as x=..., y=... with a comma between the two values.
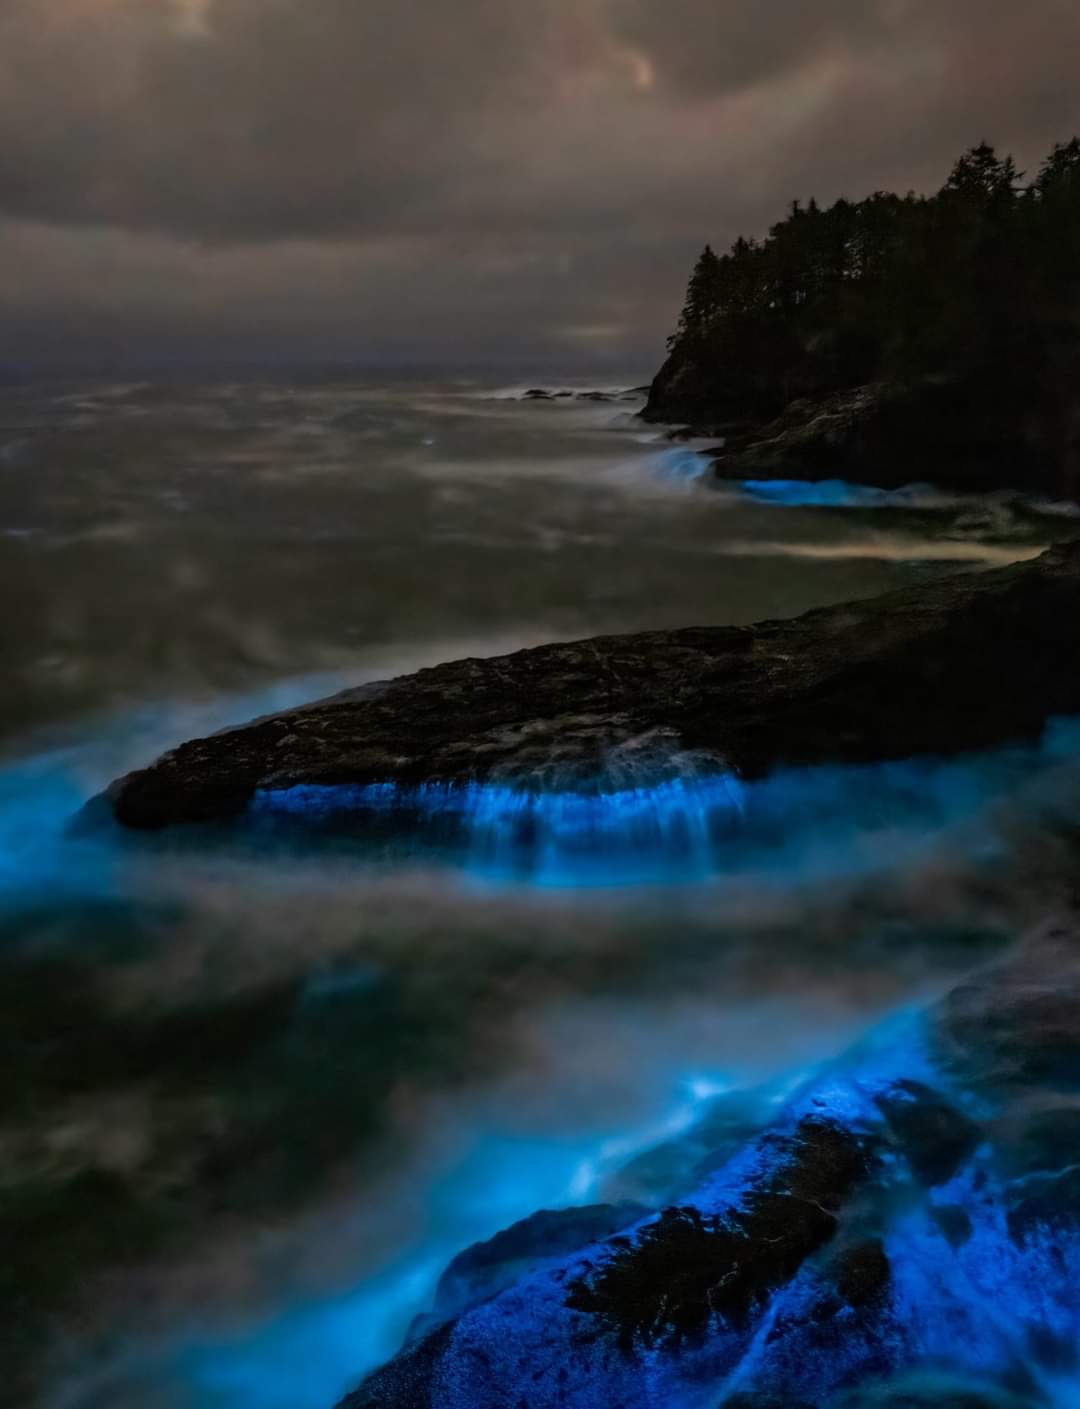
x=982, y=277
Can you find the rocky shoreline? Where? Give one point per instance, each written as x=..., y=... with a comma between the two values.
x=870, y=1231
x=962, y=663
x=950, y=433
x=864, y=1230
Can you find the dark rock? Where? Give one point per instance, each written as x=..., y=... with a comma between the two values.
x=761, y=1401
x=537, y=394
x=969, y=433
x=654, y=1287
x=667, y=1283
x=861, y=1273
x=408, y=1381
x=772, y=1278
x=595, y=396
x=931, y=1392
x=486, y=1268
x=963, y=663
x=1014, y=1027
x=934, y=1137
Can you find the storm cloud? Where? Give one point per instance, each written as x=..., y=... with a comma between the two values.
x=411, y=180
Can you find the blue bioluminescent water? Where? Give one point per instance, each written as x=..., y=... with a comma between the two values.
x=647, y=833
x=314, y=1352
x=262, y=1083
x=39, y=858
x=681, y=466
x=798, y=825
x=839, y=494
x=989, y=511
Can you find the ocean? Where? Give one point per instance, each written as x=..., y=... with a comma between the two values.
x=253, y=1105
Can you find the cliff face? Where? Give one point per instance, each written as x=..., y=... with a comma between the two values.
x=962, y=663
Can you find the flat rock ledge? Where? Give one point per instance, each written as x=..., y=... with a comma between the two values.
x=963, y=663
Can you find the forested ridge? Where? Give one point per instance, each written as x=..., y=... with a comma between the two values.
x=977, y=285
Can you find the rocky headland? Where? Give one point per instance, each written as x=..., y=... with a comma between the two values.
x=895, y=339
x=963, y=434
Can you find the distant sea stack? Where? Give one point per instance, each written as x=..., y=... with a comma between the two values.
x=895, y=339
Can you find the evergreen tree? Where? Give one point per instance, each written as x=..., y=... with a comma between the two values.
x=981, y=176
x=1060, y=172
x=703, y=299
x=984, y=275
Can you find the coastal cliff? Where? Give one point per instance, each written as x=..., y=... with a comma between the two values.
x=895, y=339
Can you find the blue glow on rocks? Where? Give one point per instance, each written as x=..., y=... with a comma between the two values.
x=960, y=1315
x=796, y=826
x=669, y=831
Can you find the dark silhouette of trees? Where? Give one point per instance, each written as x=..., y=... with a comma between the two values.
x=981, y=278
x=703, y=299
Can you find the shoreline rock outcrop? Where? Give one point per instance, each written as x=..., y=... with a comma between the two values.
x=953, y=433
x=914, y=1210
x=962, y=663
x=895, y=339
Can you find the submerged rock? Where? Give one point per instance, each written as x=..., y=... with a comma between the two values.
x=963, y=663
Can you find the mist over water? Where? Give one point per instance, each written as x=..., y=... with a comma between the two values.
x=286, y=1077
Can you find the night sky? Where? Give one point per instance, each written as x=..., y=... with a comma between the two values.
x=459, y=182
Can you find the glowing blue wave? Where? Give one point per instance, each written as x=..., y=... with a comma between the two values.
x=644, y=833
x=795, y=825
x=681, y=466
x=839, y=494
x=39, y=858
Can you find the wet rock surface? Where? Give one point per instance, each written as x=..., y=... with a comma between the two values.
x=679, y=1273
x=971, y=433
x=906, y=1234
x=958, y=664
x=487, y=1267
x=934, y=1136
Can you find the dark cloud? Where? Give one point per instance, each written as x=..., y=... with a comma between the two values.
x=456, y=178
x=246, y=118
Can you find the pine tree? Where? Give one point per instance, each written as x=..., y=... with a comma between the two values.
x=1060, y=172
x=980, y=281
x=703, y=299
x=981, y=176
